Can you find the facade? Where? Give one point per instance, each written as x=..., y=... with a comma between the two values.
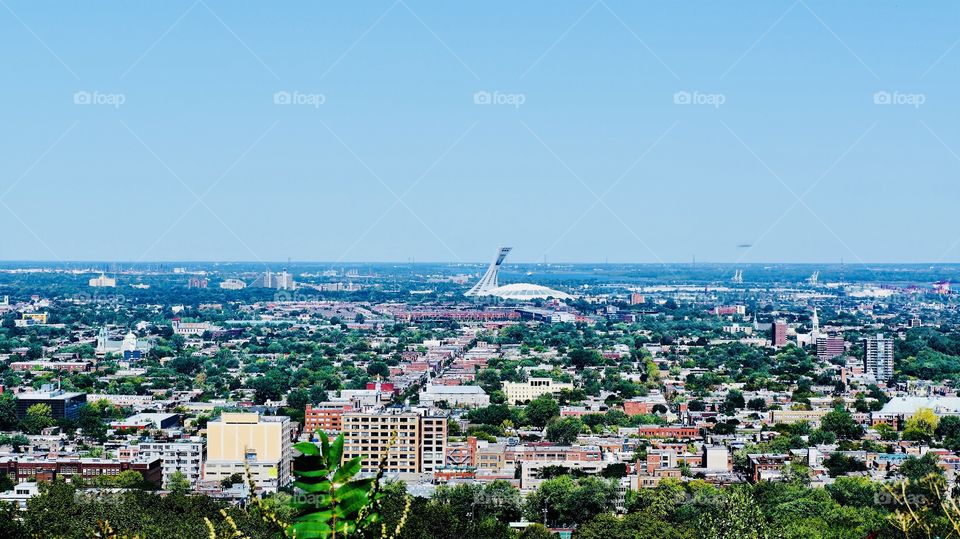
x=103, y=282
x=470, y=396
x=778, y=333
x=47, y=469
x=62, y=405
x=238, y=441
x=326, y=417
x=520, y=392
x=183, y=457
x=419, y=445
x=829, y=347
x=878, y=357
x=190, y=328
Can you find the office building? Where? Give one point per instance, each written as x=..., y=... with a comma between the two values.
x=454, y=396
x=63, y=405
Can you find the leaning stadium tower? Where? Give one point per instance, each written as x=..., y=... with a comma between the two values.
x=489, y=280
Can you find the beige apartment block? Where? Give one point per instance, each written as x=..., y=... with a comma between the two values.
x=419, y=447
x=238, y=441
x=521, y=392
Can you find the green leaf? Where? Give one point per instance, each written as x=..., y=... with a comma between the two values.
x=313, y=488
x=336, y=451
x=317, y=516
x=348, y=470
x=311, y=530
x=312, y=473
x=307, y=448
x=325, y=444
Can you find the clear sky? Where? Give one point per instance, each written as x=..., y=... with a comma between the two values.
x=619, y=130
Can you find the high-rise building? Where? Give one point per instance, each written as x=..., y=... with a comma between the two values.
x=103, y=282
x=326, y=417
x=185, y=457
x=778, y=333
x=829, y=347
x=241, y=441
x=420, y=445
x=878, y=357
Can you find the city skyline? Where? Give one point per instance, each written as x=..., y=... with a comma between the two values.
x=398, y=130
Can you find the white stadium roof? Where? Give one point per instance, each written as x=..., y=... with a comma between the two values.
x=526, y=291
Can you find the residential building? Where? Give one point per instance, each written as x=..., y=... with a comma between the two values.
x=829, y=347
x=185, y=457
x=417, y=443
x=878, y=357
x=326, y=417
x=103, y=282
x=778, y=333
x=240, y=441
x=522, y=392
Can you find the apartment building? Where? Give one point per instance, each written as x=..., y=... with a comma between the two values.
x=521, y=392
x=419, y=446
x=326, y=417
x=878, y=357
x=184, y=457
x=241, y=441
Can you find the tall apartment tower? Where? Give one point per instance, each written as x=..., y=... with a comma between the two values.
x=878, y=357
x=420, y=445
x=778, y=333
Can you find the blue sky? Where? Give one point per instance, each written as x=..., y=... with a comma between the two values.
x=627, y=131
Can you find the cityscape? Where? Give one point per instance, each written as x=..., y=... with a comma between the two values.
x=408, y=269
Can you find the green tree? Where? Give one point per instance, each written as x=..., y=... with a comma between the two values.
x=841, y=423
x=736, y=516
x=921, y=426
x=564, y=431
x=38, y=417
x=541, y=410
x=178, y=483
